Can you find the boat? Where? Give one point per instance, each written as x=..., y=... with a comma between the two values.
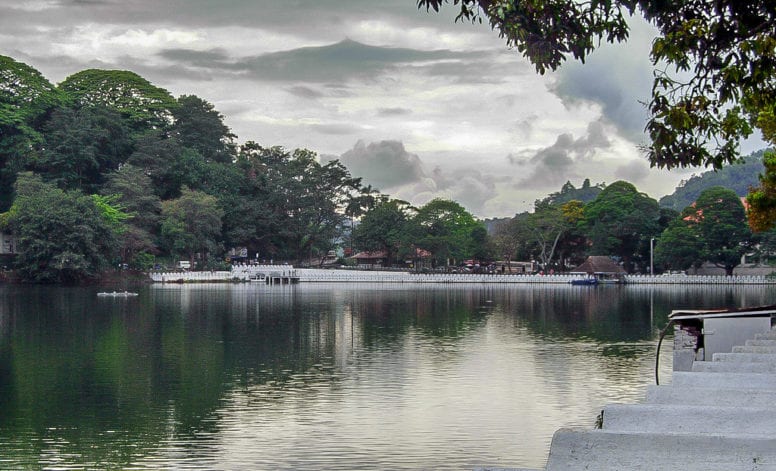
x=117, y=294
x=585, y=282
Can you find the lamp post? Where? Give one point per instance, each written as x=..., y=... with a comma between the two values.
x=651, y=256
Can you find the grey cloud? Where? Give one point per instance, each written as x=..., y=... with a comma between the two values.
x=612, y=76
x=305, y=92
x=555, y=164
x=337, y=62
x=384, y=164
x=393, y=111
x=339, y=129
x=387, y=165
x=633, y=172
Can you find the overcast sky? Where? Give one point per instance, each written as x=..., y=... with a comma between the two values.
x=416, y=104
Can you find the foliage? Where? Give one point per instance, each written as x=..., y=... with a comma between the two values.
x=444, y=228
x=723, y=55
x=81, y=146
x=202, y=128
x=384, y=227
x=62, y=236
x=26, y=99
x=191, y=224
x=713, y=229
x=568, y=192
x=762, y=200
x=739, y=177
x=144, y=105
x=620, y=221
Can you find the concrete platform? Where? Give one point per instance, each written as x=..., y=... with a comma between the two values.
x=770, y=349
x=744, y=357
x=690, y=419
x=574, y=450
x=723, y=380
x=733, y=367
x=742, y=397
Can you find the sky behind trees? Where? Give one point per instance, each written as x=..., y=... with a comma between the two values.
x=415, y=103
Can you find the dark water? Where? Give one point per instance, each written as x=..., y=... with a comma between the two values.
x=322, y=376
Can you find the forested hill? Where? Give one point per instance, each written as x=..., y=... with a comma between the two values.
x=738, y=177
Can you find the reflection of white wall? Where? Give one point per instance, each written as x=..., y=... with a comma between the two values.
x=6, y=243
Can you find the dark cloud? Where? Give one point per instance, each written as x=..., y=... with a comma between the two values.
x=618, y=78
x=305, y=92
x=337, y=62
x=384, y=164
x=388, y=166
x=393, y=111
x=555, y=164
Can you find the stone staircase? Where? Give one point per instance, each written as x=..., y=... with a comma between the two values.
x=721, y=416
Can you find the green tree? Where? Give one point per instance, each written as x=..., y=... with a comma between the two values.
x=621, y=221
x=82, y=145
x=191, y=224
x=722, y=55
x=61, y=236
x=384, y=227
x=144, y=105
x=444, y=228
x=679, y=246
x=26, y=100
x=200, y=127
x=721, y=221
x=132, y=189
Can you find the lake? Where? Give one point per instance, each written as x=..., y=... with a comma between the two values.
x=323, y=376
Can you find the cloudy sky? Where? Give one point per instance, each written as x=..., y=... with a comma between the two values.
x=416, y=104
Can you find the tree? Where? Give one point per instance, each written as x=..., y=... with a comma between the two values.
x=144, y=105
x=200, y=127
x=26, y=100
x=132, y=189
x=61, y=236
x=720, y=219
x=679, y=246
x=191, y=224
x=723, y=54
x=384, y=227
x=82, y=145
x=444, y=228
x=620, y=221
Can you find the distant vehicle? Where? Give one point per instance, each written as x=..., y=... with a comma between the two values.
x=184, y=265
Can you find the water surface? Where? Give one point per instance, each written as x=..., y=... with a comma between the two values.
x=334, y=376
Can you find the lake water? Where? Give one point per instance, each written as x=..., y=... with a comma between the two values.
x=354, y=377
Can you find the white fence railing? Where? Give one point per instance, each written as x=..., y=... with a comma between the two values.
x=312, y=275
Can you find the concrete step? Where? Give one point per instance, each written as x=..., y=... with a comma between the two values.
x=770, y=349
x=765, y=343
x=574, y=450
x=745, y=357
x=723, y=380
x=742, y=397
x=689, y=419
x=766, y=336
x=733, y=367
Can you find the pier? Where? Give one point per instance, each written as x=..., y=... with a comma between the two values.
x=717, y=414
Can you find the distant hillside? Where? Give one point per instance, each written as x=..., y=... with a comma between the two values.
x=738, y=177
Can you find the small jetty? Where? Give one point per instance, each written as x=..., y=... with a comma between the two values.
x=717, y=414
x=117, y=294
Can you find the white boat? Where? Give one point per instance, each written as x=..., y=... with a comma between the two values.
x=117, y=294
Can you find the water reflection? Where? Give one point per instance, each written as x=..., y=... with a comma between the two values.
x=322, y=376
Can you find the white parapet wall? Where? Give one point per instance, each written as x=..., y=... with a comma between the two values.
x=312, y=275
